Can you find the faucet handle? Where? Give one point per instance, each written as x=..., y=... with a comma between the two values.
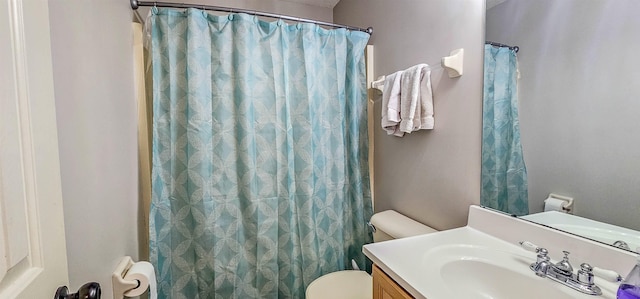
x=542, y=253
x=528, y=246
x=608, y=275
x=542, y=264
x=585, y=274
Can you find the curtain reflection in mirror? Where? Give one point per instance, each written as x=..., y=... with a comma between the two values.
x=504, y=175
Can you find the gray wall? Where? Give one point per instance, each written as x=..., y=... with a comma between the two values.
x=97, y=125
x=431, y=176
x=283, y=7
x=96, y=111
x=96, y=114
x=579, y=101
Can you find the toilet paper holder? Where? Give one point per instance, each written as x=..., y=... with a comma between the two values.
x=568, y=205
x=120, y=286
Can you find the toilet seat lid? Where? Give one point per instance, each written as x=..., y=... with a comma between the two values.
x=348, y=284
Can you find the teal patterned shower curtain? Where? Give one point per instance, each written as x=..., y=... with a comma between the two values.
x=260, y=178
x=504, y=175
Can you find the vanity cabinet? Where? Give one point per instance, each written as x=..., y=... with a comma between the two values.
x=385, y=288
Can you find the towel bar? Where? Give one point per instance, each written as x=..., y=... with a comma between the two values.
x=452, y=63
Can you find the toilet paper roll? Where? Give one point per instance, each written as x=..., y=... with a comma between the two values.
x=144, y=273
x=554, y=204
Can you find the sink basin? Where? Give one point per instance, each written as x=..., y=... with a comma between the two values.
x=595, y=230
x=479, y=272
x=467, y=263
x=476, y=279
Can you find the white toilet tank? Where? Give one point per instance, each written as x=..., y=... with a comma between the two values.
x=391, y=225
x=353, y=284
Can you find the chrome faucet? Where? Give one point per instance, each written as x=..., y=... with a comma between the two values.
x=562, y=271
x=621, y=244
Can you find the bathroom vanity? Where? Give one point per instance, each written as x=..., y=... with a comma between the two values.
x=485, y=260
x=384, y=287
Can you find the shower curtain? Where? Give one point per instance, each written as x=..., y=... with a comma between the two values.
x=504, y=175
x=260, y=179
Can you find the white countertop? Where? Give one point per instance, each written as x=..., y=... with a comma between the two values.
x=415, y=263
x=403, y=259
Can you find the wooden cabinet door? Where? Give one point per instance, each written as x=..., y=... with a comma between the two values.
x=385, y=288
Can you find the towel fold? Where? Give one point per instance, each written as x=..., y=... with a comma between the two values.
x=416, y=99
x=391, y=104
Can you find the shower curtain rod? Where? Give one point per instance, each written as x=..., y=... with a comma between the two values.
x=135, y=4
x=515, y=48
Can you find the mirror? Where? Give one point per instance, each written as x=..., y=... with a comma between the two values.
x=579, y=106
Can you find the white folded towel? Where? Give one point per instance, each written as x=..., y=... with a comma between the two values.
x=391, y=104
x=416, y=99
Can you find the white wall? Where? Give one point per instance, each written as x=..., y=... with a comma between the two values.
x=579, y=102
x=431, y=176
x=97, y=123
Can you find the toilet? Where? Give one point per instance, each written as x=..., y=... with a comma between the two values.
x=356, y=284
